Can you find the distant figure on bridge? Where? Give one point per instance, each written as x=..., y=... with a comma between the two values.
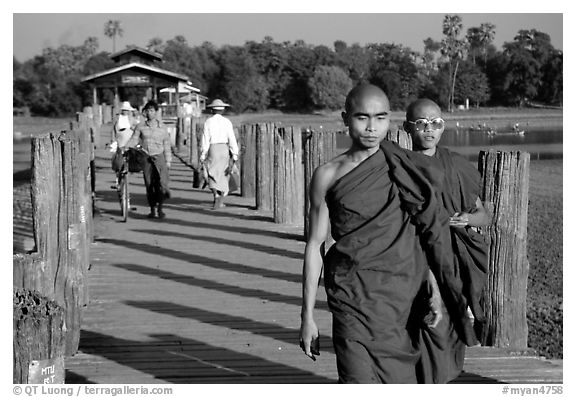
x=442, y=349
x=124, y=125
x=122, y=130
x=385, y=219
x=218, y=146
x=151, y=134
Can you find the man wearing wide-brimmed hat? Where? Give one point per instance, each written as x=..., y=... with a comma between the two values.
x=124, y=125
x=217, y=147
x=122, y=130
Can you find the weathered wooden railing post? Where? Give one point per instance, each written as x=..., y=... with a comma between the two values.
x=288, y=176
x=84, y=131
x=319, y=147
x=187, y=124
x=56, y=270
x=505, y=178
x=196, y=132
x=97, y=112
x=37, y=338
x=248, y=160
x=179, y=133
x=264, y=166
x=194, y=136
x=106, y=113
x=401, y=137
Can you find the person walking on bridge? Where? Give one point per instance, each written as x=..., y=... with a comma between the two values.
x=389, y=228
x=151, y=134
x=217, y=147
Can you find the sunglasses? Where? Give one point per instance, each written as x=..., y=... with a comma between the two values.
x=422, y=124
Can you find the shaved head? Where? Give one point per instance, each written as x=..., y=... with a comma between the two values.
x=363, y=91
x=422, y=106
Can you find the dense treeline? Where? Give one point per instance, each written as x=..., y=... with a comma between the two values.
x=302, y=77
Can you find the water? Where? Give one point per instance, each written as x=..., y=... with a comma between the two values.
x=541, y=143
x=478, y=138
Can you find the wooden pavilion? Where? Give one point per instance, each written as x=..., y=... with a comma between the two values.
x=139, y=68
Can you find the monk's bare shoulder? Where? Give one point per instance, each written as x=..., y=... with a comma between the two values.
x=325, y=175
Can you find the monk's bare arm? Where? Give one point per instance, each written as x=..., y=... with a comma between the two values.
x=318, y=226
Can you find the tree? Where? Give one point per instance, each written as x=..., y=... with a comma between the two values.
x=111, y=30
x=355, y=60
x=329, y=86
x=479, y=39
x=527, y=55
x=98, y=63
x=301, y=61
x=552, y=81
x=453, y=49
x=241, y=83
x=431, y=48
x=156, y=44
x=271, y=60
x=393, y=68
x=473, y=36
x=340, y=46
x=487, y=37
x=472, y=84
x=497, y=73
x=324, y=55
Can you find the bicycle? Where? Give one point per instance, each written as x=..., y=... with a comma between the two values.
x=131, y=162
x=123, y=184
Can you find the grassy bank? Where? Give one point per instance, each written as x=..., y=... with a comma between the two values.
x=545, y=255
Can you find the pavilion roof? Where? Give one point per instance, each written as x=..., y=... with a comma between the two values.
x=137, y=51
x=136, y=65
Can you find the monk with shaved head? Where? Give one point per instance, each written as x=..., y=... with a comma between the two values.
x=385, y=219
x=443, y=347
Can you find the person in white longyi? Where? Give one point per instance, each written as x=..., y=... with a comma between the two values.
x=217, y=146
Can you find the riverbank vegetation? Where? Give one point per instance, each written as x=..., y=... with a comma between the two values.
x=463, y=68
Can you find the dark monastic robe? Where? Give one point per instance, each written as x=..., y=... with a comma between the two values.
x=442, y=348
x=381, y=213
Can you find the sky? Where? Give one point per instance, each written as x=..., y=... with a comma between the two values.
x=34, y=31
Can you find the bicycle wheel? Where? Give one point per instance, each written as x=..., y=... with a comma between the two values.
x=124, y=197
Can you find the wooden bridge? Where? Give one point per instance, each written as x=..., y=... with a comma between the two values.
x=214, y=297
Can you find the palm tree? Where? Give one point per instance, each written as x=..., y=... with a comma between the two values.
x=113, y=29
x=453, y=49
x=487, y=34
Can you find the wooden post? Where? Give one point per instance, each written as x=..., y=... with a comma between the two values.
x=45, y=186
x=69, y=282
x=248, y=160
x=505, y=191
x=319, y=147
x=97, y=111
x=58, y=179
x=179, y=132
x=264, y=166
x=288, y=176
x=196, y=133
x=106, y=113
x=193, y=142
x=37, y=338
x=84, y=133
x=401, y=137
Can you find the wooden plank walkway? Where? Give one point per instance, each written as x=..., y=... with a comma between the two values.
x=214, y=297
